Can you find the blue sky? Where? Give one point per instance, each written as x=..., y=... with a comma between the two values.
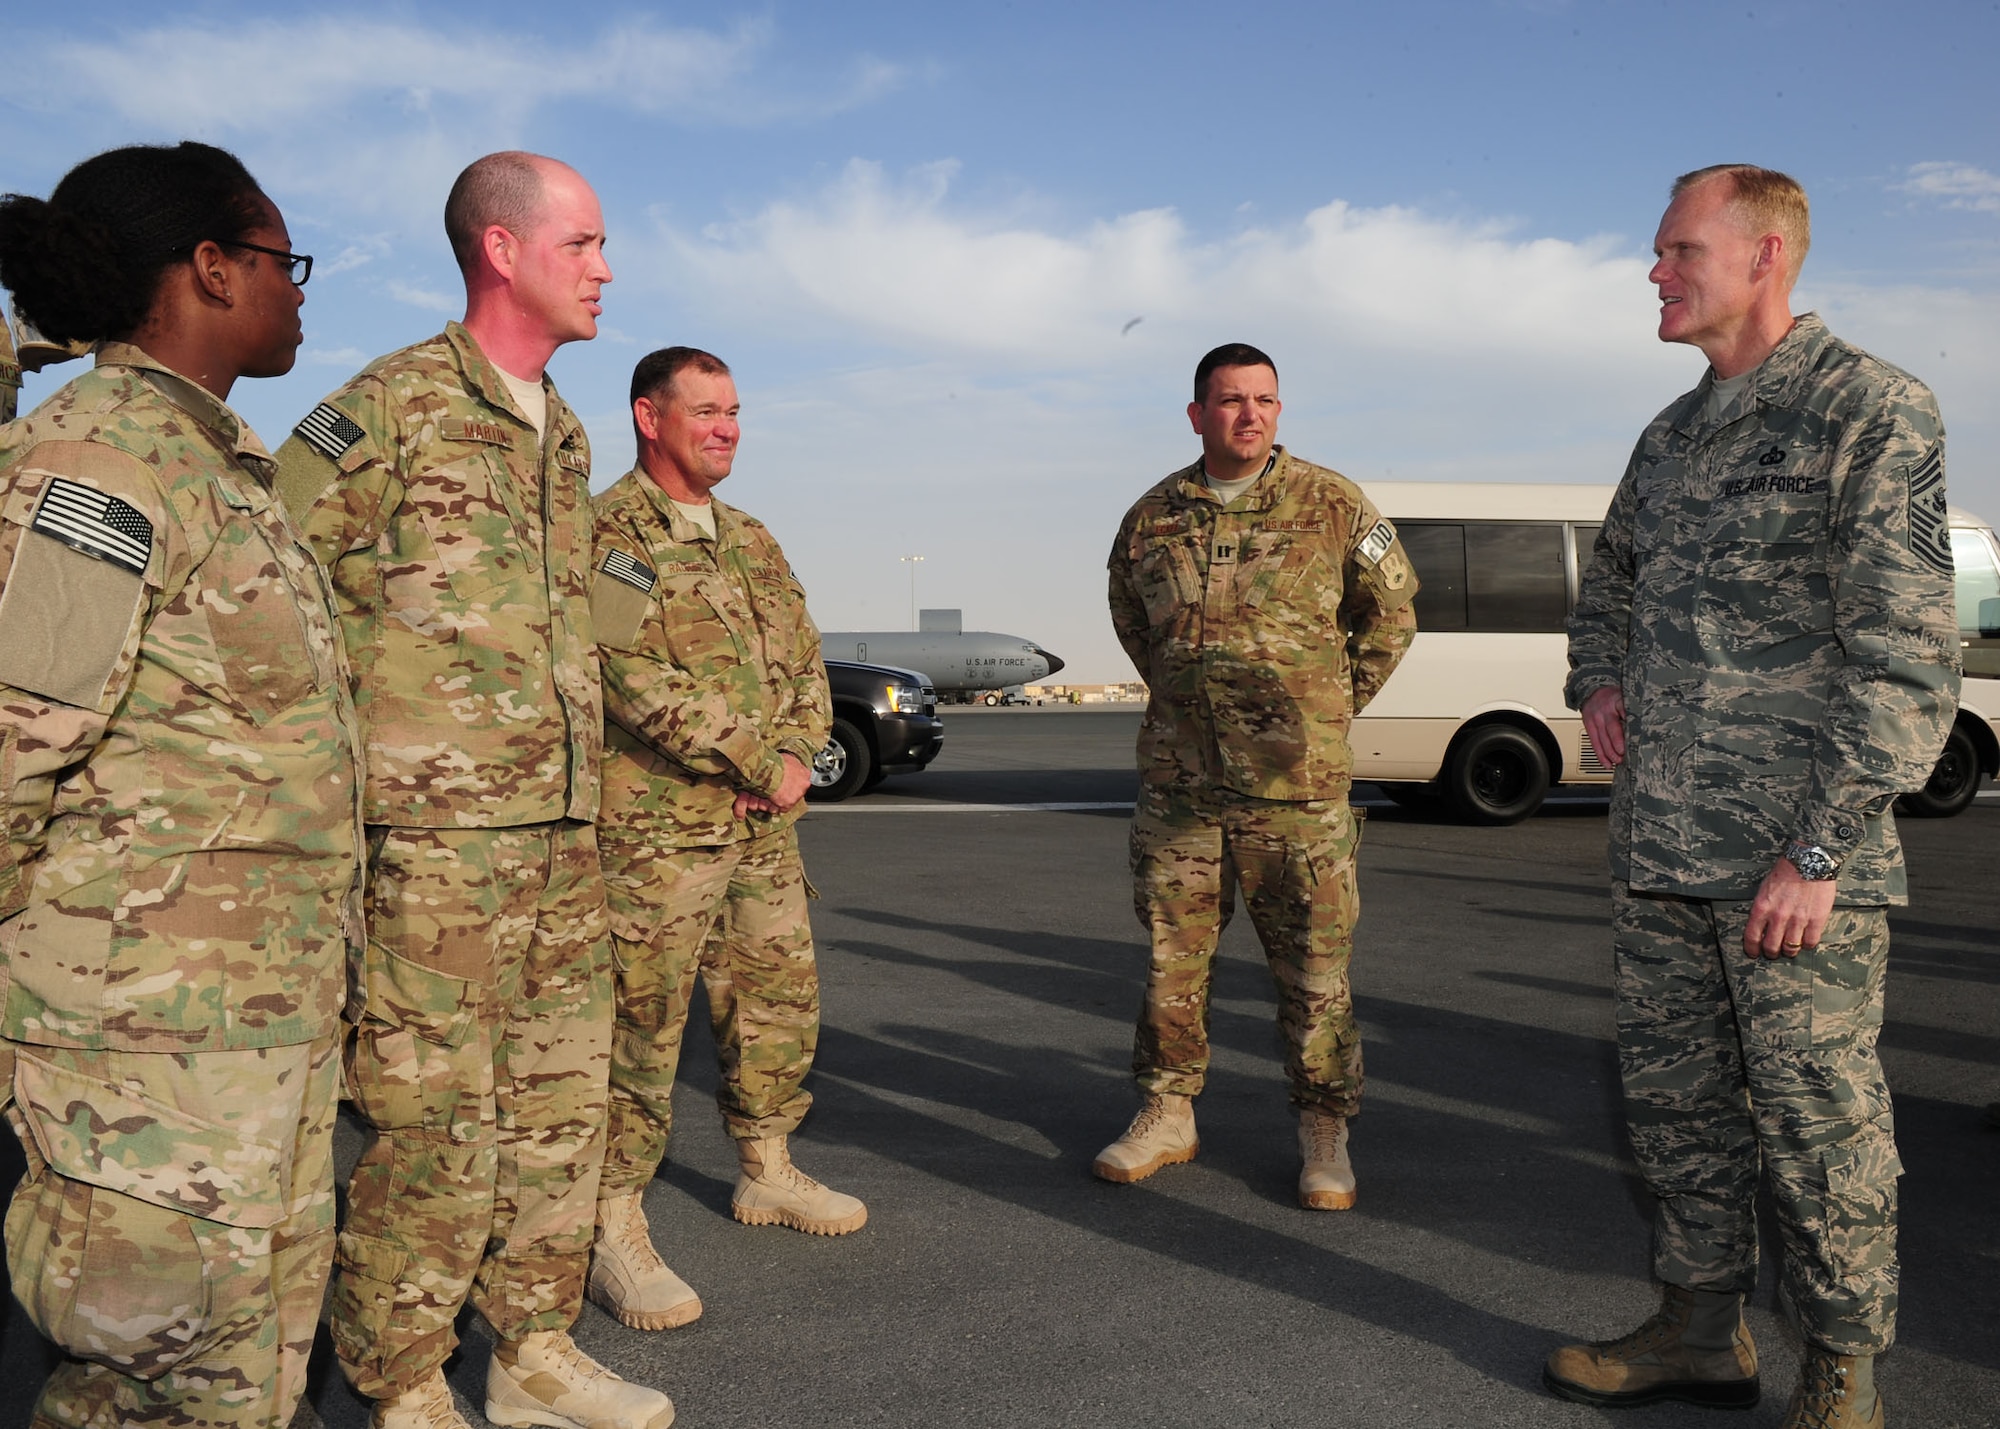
x=919, y=231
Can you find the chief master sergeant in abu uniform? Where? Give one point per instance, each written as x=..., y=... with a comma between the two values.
x=716, y=702
x=1765, y=646
x=1265, y=600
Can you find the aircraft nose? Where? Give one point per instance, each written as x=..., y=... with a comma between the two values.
x=1055, y=661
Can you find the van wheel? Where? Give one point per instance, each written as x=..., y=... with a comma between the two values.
x=842, y=767
x=1497, y=774
x=1953, y=783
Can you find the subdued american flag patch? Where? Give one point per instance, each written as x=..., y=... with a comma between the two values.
x=329, y=431
x=623, y=566
x=1375, y=545
x=95, y=523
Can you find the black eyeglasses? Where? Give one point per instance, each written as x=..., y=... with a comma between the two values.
x=298, y=266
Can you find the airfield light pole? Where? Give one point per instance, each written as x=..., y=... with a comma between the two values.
x=912, y=562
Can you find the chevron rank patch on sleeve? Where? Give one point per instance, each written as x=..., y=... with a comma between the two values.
x=1930, y=517
x=329, y=431
x=96, y=524
x=623, y=566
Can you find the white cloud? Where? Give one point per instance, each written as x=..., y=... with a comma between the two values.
x=275, y=73
x=425, y=298
x=1964, y=186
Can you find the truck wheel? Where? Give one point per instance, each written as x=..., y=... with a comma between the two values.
x=842, y=767
x=992, y=699
x=1497, y=774
x=1953, y=783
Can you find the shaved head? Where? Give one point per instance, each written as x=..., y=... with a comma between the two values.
x=503, y=190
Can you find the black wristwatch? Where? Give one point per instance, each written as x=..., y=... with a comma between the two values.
x=1815, y=864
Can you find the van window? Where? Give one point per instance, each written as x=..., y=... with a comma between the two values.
x=1976, y=579
x=1487, y=575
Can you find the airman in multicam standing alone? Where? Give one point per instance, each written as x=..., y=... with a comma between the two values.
x=1266, y=601
x=1765, y=646
x=717, y=702
x=447, y=489
x=180, y=877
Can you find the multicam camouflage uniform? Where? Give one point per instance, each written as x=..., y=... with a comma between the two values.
x=1772, y=593
x=459, y=546
x=178, y=892
x=1262, y=628
x=712, y=675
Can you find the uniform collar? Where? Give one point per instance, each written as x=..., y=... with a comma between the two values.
x=188, y=395
x=1777, y=381
x=679, y=527
x=485, y=378
x=1191, y=484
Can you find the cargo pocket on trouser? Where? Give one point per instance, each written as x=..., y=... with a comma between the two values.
x=136, y=1214
x=422, y=1077
x=1842, y=1281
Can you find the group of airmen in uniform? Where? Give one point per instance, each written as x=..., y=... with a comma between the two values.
x=395, y=767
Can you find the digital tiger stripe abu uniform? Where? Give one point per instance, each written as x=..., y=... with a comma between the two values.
x=1266, y=601
x=718, y=702
x=447, y=489
x=180, y=874
x=1765, y=646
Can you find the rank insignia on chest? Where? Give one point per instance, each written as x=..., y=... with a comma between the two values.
x=1222, y=551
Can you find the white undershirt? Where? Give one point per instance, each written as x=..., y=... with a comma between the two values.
x=702, y=515
x=531, y=397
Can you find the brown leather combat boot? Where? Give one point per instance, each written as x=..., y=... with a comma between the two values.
x=1835, y=1392
x=1654, y=1362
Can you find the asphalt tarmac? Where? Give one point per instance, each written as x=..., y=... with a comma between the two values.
x=981, y=967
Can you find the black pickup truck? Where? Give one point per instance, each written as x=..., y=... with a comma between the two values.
x=885, y=721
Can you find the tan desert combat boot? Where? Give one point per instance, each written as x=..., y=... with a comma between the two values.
x=545, y=1379
x=1657, y=1361
x=428, y=1406
x=1162, y=1134
x=773, y=1192
x=627, y=1276
x=1835, y=1392
x=1326, y=1182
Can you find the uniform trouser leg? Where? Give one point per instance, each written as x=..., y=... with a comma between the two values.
x=1183, y=891
x=481, y=1065
x=738, y=915
x=1296, y=865
x=1731, y=1064
x=169, y=1317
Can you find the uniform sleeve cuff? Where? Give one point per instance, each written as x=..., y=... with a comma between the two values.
x=1838, y=831
x=1582, y=686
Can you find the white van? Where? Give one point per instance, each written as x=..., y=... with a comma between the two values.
x=1475, y=716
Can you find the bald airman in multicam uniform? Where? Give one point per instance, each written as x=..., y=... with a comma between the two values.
x=1266, y=601
x=1765, y=646
x=717, y=703
x=179, y=892
x=450, y=500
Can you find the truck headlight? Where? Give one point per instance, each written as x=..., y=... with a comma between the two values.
x=905, y=699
